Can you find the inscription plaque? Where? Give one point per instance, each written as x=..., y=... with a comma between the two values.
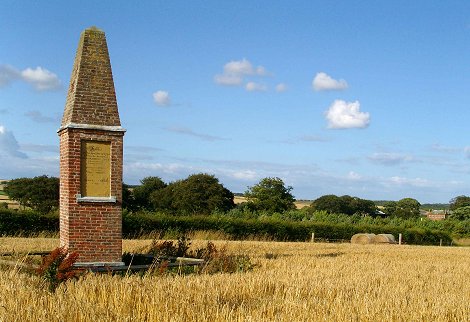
x=95, y=169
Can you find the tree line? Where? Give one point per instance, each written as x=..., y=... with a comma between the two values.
x=203, y=194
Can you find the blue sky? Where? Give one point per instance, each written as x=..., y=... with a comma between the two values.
x=366, y=98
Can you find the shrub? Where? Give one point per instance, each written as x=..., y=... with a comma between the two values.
x=57, y=267
x=215, y=260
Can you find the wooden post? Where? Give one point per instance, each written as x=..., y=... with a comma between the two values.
x=440, y=242
x=313, y=238
x=399, y=239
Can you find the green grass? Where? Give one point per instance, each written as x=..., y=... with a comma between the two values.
x=2, y=193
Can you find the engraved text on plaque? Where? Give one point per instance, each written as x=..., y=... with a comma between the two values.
x=95, y=169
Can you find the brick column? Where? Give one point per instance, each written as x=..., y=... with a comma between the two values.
x=91, y=224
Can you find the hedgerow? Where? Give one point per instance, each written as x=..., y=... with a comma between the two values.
x=13, y=223
x=277, y=229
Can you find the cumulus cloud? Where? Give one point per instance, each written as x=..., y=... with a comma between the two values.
x=8, y=144
x=243, y=67
x=40, y=78
x=255, y=87
x=390, y=158
x=346, y=115
x=244, y=175
x=228, y=80
x=236, y=71
x=162, y=98
x=281, y=87
x=324, y=82
x=8, y=74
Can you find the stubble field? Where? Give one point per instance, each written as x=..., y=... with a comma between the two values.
x=291, y=282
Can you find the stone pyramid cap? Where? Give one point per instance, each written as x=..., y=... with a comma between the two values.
x=91, y=99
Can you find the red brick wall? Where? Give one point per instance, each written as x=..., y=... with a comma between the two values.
x=93, y=229
x=91, y=98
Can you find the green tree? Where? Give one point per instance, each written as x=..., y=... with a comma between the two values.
x=198, y=194
x=141, y=194
x=39, y=193
x=407, y=208
x=461, y=213
x=460, y=201
x=344, y=205
x=390, y=207
x=271, y=195
x=331, y=204
x=128, y=201
x=363, y=207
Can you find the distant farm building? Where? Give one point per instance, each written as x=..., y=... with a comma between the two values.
x=437, y=214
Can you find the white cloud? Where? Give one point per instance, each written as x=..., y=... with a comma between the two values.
x=324, y=82
x=414, y=182
x=467, y=151
x=281, y=87
x=261, y=71
x=38, y=117
x=244, y=175
x=243, y=67
x=8, y=144
x=346, y=115
x=306, y=138
x=255, y=87
x=390, y=158
x=239, y=67
x=41, y=79
x=7, y=75
x=162, y=98
x=235, y=72
x=313, y=138
x=190, y=132
x=444, y=149
x=228, y=80
x=353, y=176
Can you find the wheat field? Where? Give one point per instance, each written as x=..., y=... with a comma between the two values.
x=290, y=282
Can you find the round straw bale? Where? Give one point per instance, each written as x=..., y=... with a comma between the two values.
x=383, y=239
x=362, y=238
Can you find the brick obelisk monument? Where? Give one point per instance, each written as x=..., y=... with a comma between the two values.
x=91, y=148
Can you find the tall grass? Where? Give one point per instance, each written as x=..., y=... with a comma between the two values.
x=292, y=282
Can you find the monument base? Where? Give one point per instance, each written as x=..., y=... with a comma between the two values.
x=98, y=264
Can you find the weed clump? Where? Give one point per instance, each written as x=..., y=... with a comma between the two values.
x=215, y=260
x=57, y=267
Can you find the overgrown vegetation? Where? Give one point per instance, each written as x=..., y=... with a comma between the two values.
x=57, y=268
x=216, y=259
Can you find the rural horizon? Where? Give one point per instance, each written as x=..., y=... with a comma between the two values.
x=300, y=203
